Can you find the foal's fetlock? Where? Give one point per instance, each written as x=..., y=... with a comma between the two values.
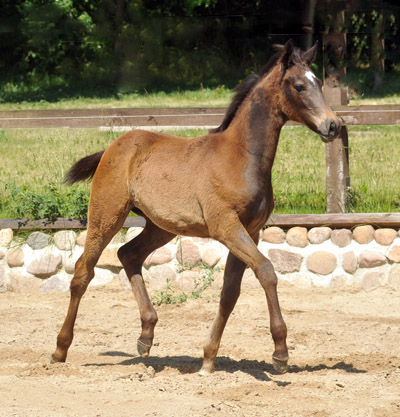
x=143, y=348
x=207, y=369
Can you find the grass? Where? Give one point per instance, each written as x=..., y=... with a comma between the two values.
x=38, y=160
x=204, y=97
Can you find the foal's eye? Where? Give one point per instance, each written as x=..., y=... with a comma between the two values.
x=299, y=87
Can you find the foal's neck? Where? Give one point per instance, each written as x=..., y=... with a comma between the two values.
x=264, y=127
x=260, y=126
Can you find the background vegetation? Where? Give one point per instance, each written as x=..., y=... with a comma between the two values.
x=53, y=49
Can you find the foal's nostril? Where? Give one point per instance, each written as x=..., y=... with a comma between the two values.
x=332, y=129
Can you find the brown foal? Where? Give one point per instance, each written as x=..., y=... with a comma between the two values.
x=217, y=185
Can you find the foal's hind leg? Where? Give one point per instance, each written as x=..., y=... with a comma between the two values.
x=234, y=270
x=132, y=256
x=106, y=216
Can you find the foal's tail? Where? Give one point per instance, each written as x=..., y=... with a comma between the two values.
x=84, y=169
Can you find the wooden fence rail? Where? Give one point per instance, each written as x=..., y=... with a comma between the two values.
x=168, y=117
x=337, y=220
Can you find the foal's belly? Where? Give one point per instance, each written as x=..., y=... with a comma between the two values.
x=178, y=214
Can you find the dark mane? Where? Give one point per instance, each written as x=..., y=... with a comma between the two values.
x=243, y=90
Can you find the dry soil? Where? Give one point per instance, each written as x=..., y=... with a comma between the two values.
x=344, y=347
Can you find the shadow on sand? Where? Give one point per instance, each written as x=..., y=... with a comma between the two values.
x=190, y=365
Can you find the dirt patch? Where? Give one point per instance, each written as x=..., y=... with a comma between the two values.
x=344, y=347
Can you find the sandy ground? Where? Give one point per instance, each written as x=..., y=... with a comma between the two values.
x=345, y=357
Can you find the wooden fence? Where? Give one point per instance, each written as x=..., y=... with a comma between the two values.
x=336, y=220
x=162, y=118
x=337, y=159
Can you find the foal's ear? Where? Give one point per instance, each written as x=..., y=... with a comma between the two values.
x=290, y=54
x=310, y=55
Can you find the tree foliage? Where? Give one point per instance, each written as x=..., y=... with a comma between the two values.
x=55, y=48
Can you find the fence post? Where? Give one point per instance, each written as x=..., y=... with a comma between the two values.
x=337, y=172
x=337, y=156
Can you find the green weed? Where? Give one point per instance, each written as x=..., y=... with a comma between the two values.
x=169, y=295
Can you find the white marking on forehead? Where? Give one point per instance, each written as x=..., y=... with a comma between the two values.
x=310, y=76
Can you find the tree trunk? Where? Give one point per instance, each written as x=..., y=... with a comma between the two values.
x=308, y=23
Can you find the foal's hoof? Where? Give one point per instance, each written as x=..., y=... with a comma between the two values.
x=143, y=349
x=280, y=366
x=205, y=372
x=54, y=360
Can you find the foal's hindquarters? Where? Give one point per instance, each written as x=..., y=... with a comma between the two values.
x=109, y=206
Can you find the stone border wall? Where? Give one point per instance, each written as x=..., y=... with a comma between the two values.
x=361, y=259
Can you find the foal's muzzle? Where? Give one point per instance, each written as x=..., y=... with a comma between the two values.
x=329, y=129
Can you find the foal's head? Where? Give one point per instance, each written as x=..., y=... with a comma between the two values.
x=300, y=96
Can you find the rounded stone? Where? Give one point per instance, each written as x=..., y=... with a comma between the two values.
x=56, y=283
x=385, y=237
x=70, y=261
x=188, y=253
x=81, y=240
x=273, y=234
x=6, y=236
x=211, y=256
x=101, y=277
x=109, y=259
x=160, y=275
x=394, y=254
x=321, y=262
x=371, y=259
x=284, y=261
x=65, y=239
x=338, y=282
x=3, y=286
x=15, y=257
x=297, y=236
x=364, y=234
x=22, y=282
x=160, y=256
x=38, y=240
x=118, y=239
x=318, y=235
x=133, y=232
x=394, y=277
x=45, y=266
x=187, y=280
x=124, y=281
x=250, y=280
x=349, y=262
x=341, y=237
x=372, y=280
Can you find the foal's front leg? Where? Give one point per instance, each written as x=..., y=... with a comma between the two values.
x=232, y=234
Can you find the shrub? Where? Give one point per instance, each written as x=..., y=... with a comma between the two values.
x=50, y=204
